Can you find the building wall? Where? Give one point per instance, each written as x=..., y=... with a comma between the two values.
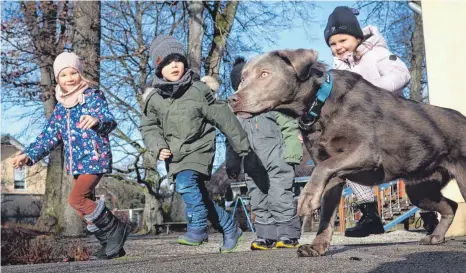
x=35, y=175
x=445, y=71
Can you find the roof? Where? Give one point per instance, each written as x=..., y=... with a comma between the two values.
x=7, y=139
x=219, y=180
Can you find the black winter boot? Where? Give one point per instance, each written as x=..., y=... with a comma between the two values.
x=370, y=222
x=114, y=231
x=100, y=254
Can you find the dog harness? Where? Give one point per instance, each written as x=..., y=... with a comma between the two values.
x=313, y=114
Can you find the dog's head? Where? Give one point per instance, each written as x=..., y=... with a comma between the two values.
x=277, y=80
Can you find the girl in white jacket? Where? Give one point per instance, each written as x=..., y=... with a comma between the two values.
x=364, y=52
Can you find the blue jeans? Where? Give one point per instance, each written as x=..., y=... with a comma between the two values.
x=199, y=207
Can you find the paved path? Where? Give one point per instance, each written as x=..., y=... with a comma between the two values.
x=396, y=251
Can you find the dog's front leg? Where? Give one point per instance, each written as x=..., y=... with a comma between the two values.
x=323, y=238
x=336, y=166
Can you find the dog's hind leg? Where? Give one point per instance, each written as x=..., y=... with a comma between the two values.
x=329, y=203
x=426, y=195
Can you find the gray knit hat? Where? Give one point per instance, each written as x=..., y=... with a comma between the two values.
x=162, y=46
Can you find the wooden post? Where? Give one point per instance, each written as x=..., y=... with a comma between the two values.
x=402, y=189
x=341, y=215
x=379, y=199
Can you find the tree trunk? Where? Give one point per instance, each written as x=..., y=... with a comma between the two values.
x=177, y=208
x=86, y=37
x=45, y=45
x=152, y=205
x=152, y=212
x=417, y=58
x=223, y=23
x=86, y=44
x=195, y=34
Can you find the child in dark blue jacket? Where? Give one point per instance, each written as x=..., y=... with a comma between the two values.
x=81, y=121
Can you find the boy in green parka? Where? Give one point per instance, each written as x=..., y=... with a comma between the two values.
x=179, y=115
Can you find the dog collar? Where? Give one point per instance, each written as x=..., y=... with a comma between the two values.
x=316, y=107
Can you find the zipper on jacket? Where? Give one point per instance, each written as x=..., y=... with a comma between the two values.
x=69, y=140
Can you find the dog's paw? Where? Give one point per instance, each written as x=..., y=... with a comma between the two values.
x=432, y=240
x=311, y=251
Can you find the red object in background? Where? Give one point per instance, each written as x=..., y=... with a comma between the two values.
x=357, y=215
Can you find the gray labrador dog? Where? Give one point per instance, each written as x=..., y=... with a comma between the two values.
x=363, y=133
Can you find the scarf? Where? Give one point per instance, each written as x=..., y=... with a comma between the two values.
x=73, y=97
x=174, y=89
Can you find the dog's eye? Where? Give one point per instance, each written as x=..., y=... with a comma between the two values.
x=264, y=74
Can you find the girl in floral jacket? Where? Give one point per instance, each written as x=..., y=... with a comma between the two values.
x=81, y=121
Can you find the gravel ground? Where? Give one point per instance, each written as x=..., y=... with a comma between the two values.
x=396, y=251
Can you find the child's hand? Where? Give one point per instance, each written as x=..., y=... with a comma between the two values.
x=19, y=160
x=300, y=137
x=87, y=122
x=164, y=154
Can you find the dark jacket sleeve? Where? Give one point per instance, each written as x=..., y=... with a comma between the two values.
x=99, y=109
x=151, y=131
x=219, y=114
x=46, y=142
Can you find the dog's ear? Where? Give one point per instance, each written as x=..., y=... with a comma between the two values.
x=301, y=60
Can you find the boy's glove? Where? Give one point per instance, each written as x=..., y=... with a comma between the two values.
x=233, y=162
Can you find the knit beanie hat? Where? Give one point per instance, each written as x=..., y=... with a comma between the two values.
x=163, y=46
x=343, y=21
x=235, y=74
x=67, y=59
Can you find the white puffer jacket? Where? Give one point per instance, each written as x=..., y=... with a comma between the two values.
x=375, y=63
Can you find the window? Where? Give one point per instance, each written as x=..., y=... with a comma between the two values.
x=20, y=179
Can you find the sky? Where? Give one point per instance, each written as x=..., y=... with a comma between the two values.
x=311, y=37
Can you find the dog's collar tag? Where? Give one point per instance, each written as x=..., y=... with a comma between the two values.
x=314, y=111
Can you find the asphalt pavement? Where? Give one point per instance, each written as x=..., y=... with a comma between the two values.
x=397, y=251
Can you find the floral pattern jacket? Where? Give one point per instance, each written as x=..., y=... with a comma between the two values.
x=86, y=151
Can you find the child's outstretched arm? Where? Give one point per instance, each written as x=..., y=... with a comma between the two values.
x=98, y=108
x=394, y=73
x=290, y=131
x=219, y=114
x=47, y=141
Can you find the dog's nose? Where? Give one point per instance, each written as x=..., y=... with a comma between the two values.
x=233, y=99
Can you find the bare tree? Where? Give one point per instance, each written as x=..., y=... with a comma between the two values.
x=417, y=59
x=223, y=15
x=195, y=34
x=46, y=23
x=86, y=44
